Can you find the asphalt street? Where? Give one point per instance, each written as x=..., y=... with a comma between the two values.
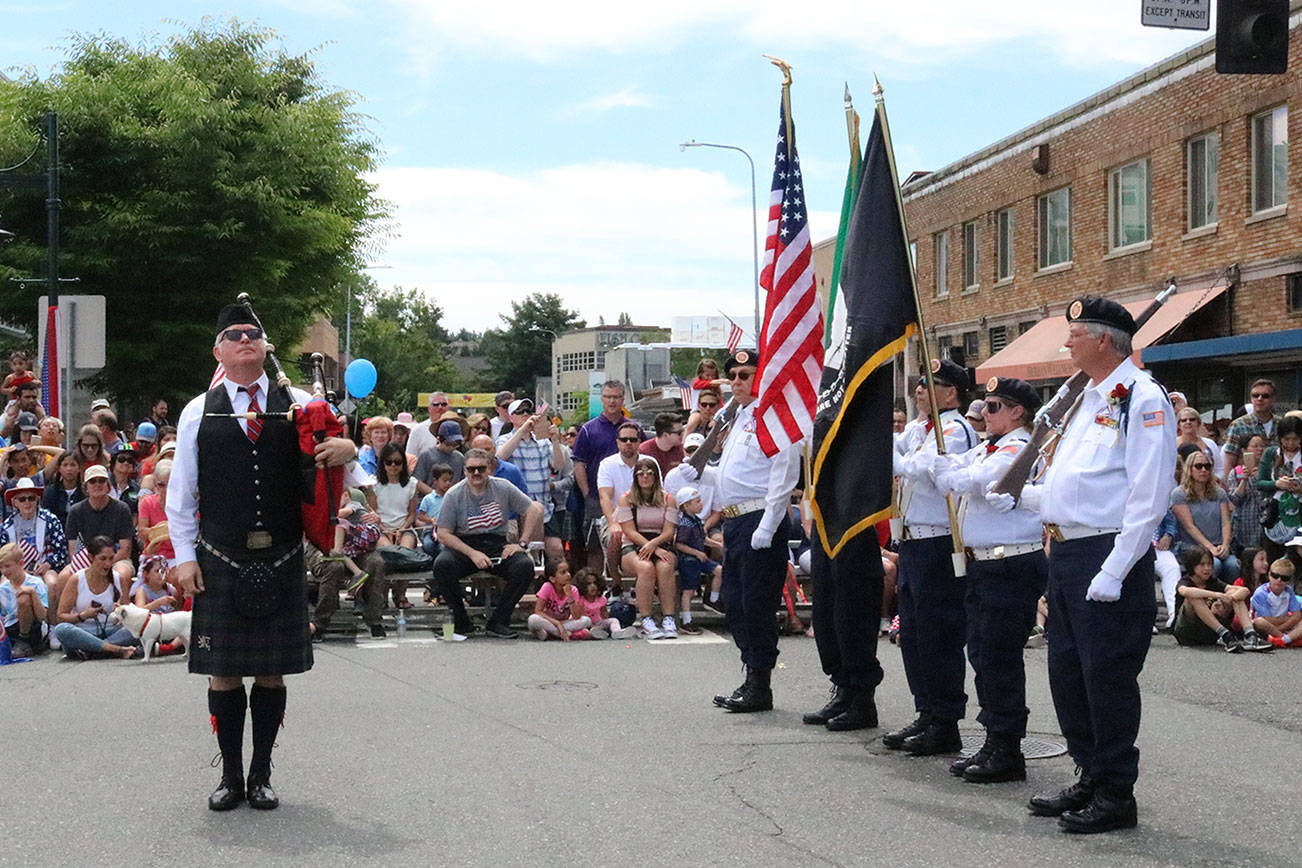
x=514, y=753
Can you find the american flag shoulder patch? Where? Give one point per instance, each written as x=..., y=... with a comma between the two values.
x=1154, y=419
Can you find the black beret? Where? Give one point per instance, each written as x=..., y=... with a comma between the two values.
x=1093, y=308
x=741, y=357
x=950, y=373
x=235, y=314
x=1018, y=391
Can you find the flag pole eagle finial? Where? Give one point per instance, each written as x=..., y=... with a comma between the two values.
x=782, y=65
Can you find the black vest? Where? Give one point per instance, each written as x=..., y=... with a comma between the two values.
x=245, y=486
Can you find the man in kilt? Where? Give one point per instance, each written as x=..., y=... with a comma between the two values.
x=242, y=558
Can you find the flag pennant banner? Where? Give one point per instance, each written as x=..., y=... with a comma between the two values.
x=50, y=362
x=791, y=340
x=850, y=485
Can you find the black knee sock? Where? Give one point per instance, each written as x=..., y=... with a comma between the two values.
x=267, y=708
x=227, y=710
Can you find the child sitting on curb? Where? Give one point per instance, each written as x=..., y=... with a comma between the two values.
x=1205, y=607
x=557, y=611
x=1276, y=609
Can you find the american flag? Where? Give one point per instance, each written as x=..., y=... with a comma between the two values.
x=217, y=376
x=489, y=516
x=734, y=336
x=50, y=362
x=791, y=341
x=684, y=392
x=80, y=558
x=29, y=553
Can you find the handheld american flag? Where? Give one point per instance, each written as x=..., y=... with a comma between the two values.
x=80, y=558
x=684, y=392
x=734, y=337
x=28, y=550
x=791, y=341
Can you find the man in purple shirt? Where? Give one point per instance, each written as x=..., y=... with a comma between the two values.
x=597, y=439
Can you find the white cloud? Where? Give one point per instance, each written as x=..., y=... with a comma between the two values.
x=626, y=98
x=878, y=31
x=607, y=237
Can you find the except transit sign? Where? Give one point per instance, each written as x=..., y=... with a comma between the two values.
x=1179, y=14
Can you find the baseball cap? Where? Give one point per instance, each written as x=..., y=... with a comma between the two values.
x=521, y=405
x=26, y=421
x=96, y=471
x=405, y=419
x=686, y=494
x=146, y=431
x=693, y=441
x=99, y=404
x=167, y=448
x=451, y=432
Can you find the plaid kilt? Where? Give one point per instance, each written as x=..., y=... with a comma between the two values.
x=224, y=643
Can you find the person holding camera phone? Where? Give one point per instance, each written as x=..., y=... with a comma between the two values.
x=82, y=626
x=1279, y=483
x=472, y=534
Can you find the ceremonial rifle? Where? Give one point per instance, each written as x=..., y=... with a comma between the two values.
x=1048, y=422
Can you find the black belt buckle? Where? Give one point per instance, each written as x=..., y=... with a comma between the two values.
x=258, y=539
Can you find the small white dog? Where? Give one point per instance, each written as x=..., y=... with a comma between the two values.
x=151, y=627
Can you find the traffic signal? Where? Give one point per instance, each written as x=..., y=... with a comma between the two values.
x=1252, y=36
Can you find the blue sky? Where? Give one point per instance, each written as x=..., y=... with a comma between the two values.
x=534, y=146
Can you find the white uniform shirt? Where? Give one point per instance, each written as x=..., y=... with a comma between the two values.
x=968, y=476
x=1105, y=476
x=183, y=485
x=746, y=473
x=707, y=485
x=614, y=474
x=922, y=501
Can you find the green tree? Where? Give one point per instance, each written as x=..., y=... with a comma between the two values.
x=214, y=164
x=521, y=352
x=401, y=332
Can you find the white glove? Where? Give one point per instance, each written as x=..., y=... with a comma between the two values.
x=761, y=539
x=688, y=471
x=1104, y=589
x=1029, y=499
x=1000, y=502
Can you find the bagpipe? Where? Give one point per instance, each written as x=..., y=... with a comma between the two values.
x=314, y=421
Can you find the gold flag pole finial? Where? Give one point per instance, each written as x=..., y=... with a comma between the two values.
x=782, y=65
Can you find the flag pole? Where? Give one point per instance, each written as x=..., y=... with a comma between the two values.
x=956, y=530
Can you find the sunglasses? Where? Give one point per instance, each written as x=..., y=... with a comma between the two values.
x=477, y=468
x=25, y=498
x=438, y=403
x=1261, y=396
x=1273, y=575
x=628, y=440
x=648, y=470
x=706, y=405
x=993, y=407
x=1188, y=421
x=1201, y=466
x=395, y=463
x=233, y=335
x=97, y=481
x=741, y=375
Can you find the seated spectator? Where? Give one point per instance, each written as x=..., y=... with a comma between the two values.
x=1206, y=607
x=1188, y=426
x=427, y=515
x=667, y=446
x=1245, y=521
x=377, y=433
x=164, y=448
x=501, y=469
x=648, y=517
x=110, y=431
x=1166, y=565
x=49, y=438
x=444, y=451
x=36, y=532
x=707, y=374
x=90, y=446
x=151, y=517
x=557, y=611
x=332, y=576
x=151, y=590
x=698, y=555
x=472, y=535
x=15, y=465
x=1254, y=568
x=1276, y=610
x=700, y=421
x=123, y=485
x=501, y=423
x=402, y=427
x=27, y=394
x=397, y=494
x=146, y=439
x=1202, y=512
x=85, y=603
x=24, y=600
x=99, y=515
x=614, y=478
x=1279, y=479
x=480, y=424
x=535, y=447
x=592, y=602
x=63, y=485
x=355, y=538
x=454, y=416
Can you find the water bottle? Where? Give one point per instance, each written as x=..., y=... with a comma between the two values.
x=402, y=623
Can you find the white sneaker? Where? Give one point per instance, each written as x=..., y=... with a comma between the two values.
x=650, y=630
x=884, y=626
x=598, y=633
x=623, y=633
x=669, y=628
x=540, y=634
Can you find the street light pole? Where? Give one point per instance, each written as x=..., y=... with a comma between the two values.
x=754, y=216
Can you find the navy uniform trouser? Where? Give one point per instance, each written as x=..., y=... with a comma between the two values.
x=752, y=588
x=932, y=627
x=1096, y=652
x=847, y=607
x=1001, y=599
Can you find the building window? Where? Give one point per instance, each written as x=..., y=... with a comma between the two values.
x=971, y=344
x=1004, y=244
x=1270, y=159
x=1025, y=326
x=998, y=338
x=1202, y=159
x=1055, y=227
x=1293, y=287
x=941, y=241
x=943, y=345
x=1128, y=205
x=971, y=275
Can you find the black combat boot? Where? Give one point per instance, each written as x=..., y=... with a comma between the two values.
x=1073, y=798
x=837, y=702
x=1003, y=763
x=895, y=739
x=756, y=694
x=860, y=713
x=940, y=736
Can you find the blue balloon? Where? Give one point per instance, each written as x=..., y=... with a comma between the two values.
x=359, y=378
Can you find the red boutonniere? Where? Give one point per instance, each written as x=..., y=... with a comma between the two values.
x=1118, y=394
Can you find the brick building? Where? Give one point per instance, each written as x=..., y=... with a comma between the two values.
x=1173, y=172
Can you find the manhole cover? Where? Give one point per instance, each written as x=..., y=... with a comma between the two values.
x=1033, y=746
x=569, y=686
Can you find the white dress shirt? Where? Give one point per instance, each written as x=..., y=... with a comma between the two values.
x=1105, y=474
x=968, y=475
x=921, y=502
x=746, y=473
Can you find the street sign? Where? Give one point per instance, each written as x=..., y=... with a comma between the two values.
x=1176, y=14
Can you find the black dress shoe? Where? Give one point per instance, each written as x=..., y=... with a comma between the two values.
x=941, y=736
x=227, y=795
x=895, y=740
x=861, y=713
x=377, y=631
x=722, y=701
x=1105, y=812
x=1004, y=762
x=958, y=766
x=262, y=796
x=1073, y=798
x=838, y=702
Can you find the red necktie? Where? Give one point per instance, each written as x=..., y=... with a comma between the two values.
x=927, y=427
x=991, y=447
x=255, y=425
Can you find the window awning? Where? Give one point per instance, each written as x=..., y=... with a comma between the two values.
x=1040, y=355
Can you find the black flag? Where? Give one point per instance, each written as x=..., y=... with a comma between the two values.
x=851, y=484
